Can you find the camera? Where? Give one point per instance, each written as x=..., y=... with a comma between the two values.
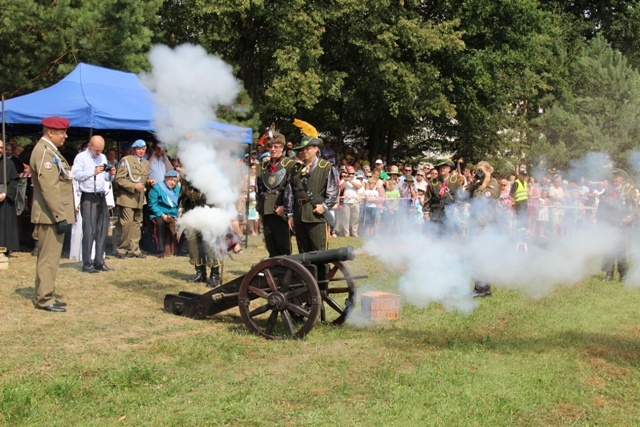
x=107, y=168
x=479, y=176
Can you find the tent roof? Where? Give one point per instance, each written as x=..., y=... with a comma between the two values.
x=99, y=98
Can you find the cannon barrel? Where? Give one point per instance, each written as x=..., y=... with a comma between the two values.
x=324, y=257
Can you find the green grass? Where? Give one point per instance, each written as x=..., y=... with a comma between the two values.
x=570, y=359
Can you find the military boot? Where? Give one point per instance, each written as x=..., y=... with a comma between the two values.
x=481, y=291
x=201, y=274
x=214, y=279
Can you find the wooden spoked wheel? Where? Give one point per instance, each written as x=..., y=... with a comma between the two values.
x=340, y=294
x=279, y=298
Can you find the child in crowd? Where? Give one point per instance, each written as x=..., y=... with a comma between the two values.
x=543, y=212
x=371, y=197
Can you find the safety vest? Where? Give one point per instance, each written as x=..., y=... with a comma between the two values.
x=521, y=191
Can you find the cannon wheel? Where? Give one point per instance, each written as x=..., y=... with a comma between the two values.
x=337, y=272
x=279, y=298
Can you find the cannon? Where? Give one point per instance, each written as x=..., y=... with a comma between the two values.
x=282, y=296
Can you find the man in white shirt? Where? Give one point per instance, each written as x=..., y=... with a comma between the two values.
x=90, y=171
x=159, y=163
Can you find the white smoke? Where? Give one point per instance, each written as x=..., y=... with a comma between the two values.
x=188, y=86
x=443, y=270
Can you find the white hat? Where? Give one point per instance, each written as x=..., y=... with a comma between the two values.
x=379, y=161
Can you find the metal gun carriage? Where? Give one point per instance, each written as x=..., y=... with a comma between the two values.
x=282, y=296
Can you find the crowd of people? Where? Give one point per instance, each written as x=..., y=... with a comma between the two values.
x=309, y=190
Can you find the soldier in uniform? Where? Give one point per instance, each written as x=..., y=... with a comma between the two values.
x=200, y=253
x=441, y=193
x=312, y=190
x=618, y=209
x=132, y=179
x=271, y=180
x=484, y=192
x=53, y=208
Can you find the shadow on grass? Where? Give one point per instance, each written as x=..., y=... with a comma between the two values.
x=26, y=293
x=613, y=348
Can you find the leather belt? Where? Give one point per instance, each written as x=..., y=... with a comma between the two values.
x=98, y=194
x=268, y=191
x=302, y=201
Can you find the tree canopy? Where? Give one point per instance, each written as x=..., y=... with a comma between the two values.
x=476, y=78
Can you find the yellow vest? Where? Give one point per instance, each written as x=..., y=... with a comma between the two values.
x=521, y=191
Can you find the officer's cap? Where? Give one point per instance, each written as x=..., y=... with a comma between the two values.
x=171, y=174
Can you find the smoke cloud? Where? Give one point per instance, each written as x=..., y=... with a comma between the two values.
x=188, y=85
x=443, y=270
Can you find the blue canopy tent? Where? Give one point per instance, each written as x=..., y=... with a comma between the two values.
x=93, y=97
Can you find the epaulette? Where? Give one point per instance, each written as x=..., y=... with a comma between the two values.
x=286, y=161
x=324, y=163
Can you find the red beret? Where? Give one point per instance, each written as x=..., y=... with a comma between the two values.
x=56, y=122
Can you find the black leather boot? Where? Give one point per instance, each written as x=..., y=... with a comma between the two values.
x=201, y=274
x=214, y=279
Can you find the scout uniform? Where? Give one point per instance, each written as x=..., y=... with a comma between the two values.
x=271, y=180
x=131, y=171
x=52, y=211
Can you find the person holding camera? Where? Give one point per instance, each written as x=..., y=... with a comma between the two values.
x=484, y=193
x=52, y=211
x=91, y=171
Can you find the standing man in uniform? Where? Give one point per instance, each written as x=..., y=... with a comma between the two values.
x=90, y=173
x=271, y=180
x=312, y=190
x=618, y=209
x=440, y=194
x=200, y=253
x=53, y=210
x=484, y=193
x=132, y=179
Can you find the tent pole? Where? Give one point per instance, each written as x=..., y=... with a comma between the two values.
x=5, y=185
x=246, y=201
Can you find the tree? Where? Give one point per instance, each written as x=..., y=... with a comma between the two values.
x=43, y=41
x=600, y=113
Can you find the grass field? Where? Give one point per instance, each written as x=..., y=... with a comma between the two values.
x=115, y=358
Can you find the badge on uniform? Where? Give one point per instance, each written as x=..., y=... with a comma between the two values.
x=122, y=163
x=271, y=180
x=487, y=193
x=48, y=165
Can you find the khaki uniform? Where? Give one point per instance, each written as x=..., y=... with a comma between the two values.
x=52, y=203
x=131, y=171
x=271, y=180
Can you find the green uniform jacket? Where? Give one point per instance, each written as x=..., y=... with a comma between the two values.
x=432, y=198
x=318, y=185
x=270, y=198
x=127, y=178
x=52, y=186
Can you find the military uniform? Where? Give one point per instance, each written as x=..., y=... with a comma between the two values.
x=483, y=214
x=321, y=179
x=441, y=193
x=200, y=253
x=130, y=201
x=617, y=208
x=52, y=204
x=271, y=180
